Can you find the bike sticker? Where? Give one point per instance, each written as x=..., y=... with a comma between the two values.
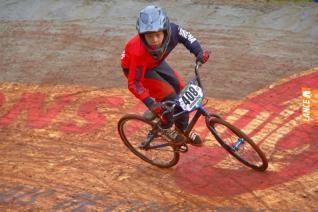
x=190, y=98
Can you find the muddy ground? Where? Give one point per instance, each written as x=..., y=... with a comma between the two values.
x=62, y=92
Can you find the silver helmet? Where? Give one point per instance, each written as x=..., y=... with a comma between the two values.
x=154, y=19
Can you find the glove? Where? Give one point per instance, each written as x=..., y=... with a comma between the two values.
x=203, y=56
x=166, y=116
x=157, y=108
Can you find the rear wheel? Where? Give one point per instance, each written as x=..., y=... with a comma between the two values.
x=134, y=129
x=238, y=144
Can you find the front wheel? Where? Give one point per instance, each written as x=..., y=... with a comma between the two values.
x=134, y=129
x=238, y=144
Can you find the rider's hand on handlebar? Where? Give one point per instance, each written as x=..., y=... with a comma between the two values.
x=203, y=56
x=165, y=115
x=158, y=108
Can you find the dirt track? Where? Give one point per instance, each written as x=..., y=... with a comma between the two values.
x=62, y=93
x=253, y=44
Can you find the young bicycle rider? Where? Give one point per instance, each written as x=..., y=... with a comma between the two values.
x=150, y=78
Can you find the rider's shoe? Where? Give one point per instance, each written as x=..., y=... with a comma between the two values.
x=195, y=139
x=173, y=136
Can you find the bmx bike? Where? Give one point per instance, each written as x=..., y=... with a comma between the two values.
x=143, y=136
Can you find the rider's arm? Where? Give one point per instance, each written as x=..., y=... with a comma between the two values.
x=135, y=86
x=125, y=60
x=134, y=71
x=187, y=39
x=135, y=75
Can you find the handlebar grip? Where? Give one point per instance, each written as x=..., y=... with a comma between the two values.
x=167, y=111
x=168, y=104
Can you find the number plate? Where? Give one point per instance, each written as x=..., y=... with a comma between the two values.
x=190, y=98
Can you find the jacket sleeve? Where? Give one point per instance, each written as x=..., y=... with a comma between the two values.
x=187, y=39
x=125, y=60
x=135, y=76
x=134, y=70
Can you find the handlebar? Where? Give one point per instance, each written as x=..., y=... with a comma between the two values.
x=169, y=105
